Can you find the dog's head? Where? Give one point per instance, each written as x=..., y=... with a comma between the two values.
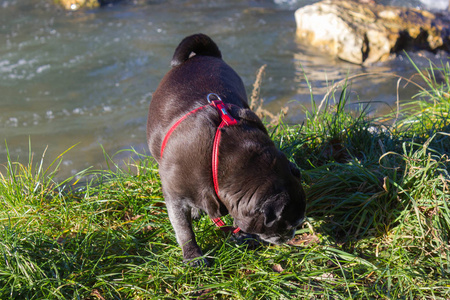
x=277, y=206
x=262, y=189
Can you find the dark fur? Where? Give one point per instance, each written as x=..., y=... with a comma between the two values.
x=259, y=187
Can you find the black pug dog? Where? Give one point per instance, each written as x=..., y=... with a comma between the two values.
x=246, y=177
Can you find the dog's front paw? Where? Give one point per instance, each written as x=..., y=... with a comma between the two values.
x=193, y=256
x=197, y=262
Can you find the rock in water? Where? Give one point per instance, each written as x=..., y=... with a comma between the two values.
x=364, y=34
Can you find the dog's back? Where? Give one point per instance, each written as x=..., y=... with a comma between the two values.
x=197, y=70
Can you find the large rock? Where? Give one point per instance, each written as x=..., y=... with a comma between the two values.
x=367, y=33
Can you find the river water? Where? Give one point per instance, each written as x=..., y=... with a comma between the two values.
x=87, y=77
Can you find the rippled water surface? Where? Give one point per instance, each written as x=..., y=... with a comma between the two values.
x=87, y=77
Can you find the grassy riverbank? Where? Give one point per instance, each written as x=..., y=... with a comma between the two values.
x=378, y=226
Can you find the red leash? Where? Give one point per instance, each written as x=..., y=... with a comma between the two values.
x=227, y=120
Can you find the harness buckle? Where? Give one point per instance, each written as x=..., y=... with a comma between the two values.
x=213, y=95
x=222, y=109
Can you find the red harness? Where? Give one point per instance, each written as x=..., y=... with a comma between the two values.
x=227, y=120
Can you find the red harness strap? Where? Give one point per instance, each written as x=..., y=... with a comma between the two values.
x=174, y=126
x=227, y=120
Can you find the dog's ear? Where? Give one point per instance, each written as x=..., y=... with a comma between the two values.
x=294, y=170
x=249, y=116
x=272, y=212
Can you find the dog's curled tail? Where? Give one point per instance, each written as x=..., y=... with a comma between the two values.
x=197, y=44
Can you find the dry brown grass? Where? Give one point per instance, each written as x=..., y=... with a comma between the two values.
x=256, y=102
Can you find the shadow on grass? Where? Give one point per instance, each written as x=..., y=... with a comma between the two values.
x=359, y=172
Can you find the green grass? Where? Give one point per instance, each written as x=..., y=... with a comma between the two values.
x=378, y=219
